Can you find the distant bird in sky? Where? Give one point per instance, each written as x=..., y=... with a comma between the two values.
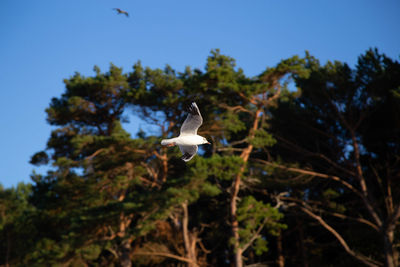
x=188, y=139
x=120, y=11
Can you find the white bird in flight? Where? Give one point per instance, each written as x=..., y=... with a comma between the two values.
x=188, y=139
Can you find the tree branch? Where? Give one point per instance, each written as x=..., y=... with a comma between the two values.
x=238, y=142
x=230, y=149
x=235, y=108
x=367, y=261
x=319, y=155
x=185, y=234
x=360, y=220
x=335, y=214
x=95, y=154
x=276, y=95
x=165, y=254
x=393, y=219
x=251, y=100
x=256, y=235
x=312, y=173
x=365, y=194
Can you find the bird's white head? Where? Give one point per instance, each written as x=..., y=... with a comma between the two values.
x=205, y=141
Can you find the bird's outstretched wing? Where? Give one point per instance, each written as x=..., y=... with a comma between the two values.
x=120, y=11
x=188, y=152
x=193, y=121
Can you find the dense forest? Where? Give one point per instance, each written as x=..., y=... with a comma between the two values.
x=303, y=169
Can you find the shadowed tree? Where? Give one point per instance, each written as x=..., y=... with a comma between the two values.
x=346, y=143
x=14, y=207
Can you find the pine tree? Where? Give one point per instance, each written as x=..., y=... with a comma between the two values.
x=14, y=210
x=340, y=135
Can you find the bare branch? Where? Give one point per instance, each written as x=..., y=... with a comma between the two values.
x=319, y=155
x=95, y=154
x=276, y=95
x=238, y=142
x=312, y=173
x=366, y=196
x=151, y=171
x=389, y=198
x=206, y=251
x=393, y=219
x=251, y=100
x=229, y=149
x=278, y=199
x=360, y=220
x=235, y=108
x=335, y=214
x=367, y=261
x=139, y=151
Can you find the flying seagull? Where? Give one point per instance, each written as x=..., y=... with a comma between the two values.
x=120, y=11
x=188, y=139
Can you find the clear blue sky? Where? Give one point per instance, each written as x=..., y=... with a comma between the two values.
x=43, y=42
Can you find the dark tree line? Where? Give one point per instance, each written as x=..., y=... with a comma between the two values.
x=294, y=177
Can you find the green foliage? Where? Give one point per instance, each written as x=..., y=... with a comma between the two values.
x=200, y=177
x=254, y=215
x=13, y=202
x=262, y=139
x=112, y=193
x=260, y=246
x=221, y=167
x=343, y=125
x=232, y=123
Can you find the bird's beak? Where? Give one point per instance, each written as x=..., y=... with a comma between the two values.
x=208, y=143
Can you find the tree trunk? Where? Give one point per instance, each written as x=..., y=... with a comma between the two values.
x=125, y=250
x=391, y=256
x=235, y=191
x=238, y=257
x=189, y=239
x=235, y=224
x=164, y=161
x=281, y=258
x=8, y=249
x=301, y=243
